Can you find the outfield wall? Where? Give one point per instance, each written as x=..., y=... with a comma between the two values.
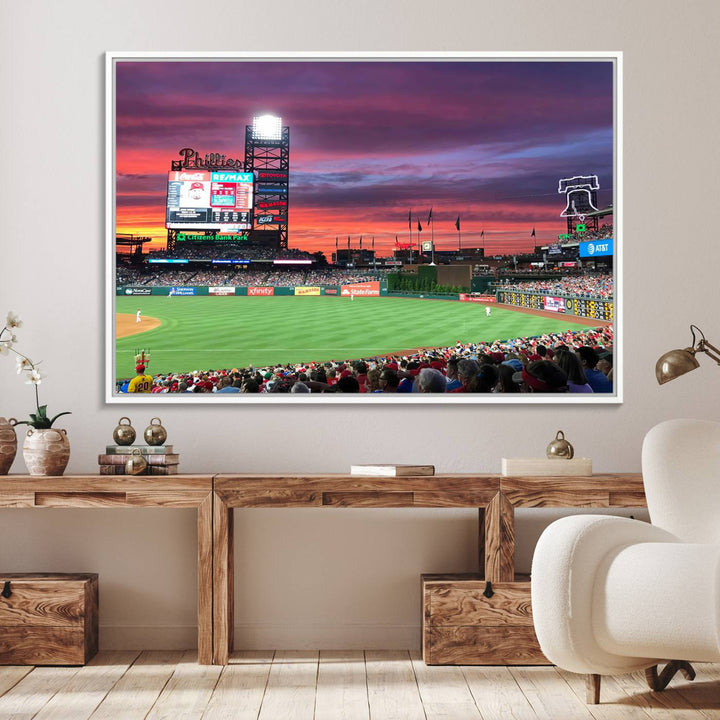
x=595, y=308
x=359, y=289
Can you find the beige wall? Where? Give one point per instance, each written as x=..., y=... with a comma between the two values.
x=330, y=578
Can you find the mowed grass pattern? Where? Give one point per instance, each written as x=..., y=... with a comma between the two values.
x=202, y=333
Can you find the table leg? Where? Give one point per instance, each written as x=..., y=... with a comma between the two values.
x=223, y=581
x=205, y=579
x=499, y=540
x=481, y=541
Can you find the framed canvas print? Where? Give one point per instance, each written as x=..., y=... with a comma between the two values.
x=365, y=227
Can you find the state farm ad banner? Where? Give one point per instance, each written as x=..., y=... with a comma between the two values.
x=261, y=291
x=221, y=290
x=554, y=304
x=368, y=289
x=307, y=290
x=464, y=297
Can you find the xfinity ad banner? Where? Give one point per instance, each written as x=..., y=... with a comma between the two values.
x=368, y=289
x=554, y=304
x=596, y=248
x=209, y=200
x=257, y=291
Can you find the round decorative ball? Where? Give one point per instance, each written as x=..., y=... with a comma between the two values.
x=124, y=433
x=560, y=448
x=155, y=434
x=136, y=463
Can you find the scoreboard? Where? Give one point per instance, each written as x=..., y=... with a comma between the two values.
x=203, y=200
x=595, y=308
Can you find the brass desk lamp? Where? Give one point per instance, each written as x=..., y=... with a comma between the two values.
x=677, y=362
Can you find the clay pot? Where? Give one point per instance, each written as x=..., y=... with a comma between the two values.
x=46, y=451
x=8, y=444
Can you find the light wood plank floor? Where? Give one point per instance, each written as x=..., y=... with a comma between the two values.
x=349, y=685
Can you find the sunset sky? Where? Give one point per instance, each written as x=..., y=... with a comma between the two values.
x=485, y=140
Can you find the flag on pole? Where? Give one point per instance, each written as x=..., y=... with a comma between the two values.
x=532, y=234
x=373, y=243
x=482, y=233
x=348, y=242
x=361, y=242
x=457, y=223
x=419, y=227
x=336, y=242
x=429, y=217
x=396, y=241
x=410, y=219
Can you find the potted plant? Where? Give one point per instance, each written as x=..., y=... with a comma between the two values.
x=46, y=449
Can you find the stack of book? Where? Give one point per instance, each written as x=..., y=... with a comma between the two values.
x=160, y=459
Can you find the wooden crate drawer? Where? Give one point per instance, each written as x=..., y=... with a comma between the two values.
x=462, y=626
x=48, y=619
x=482, y=646
x=463, y=603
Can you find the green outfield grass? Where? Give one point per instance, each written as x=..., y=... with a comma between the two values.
x=201, y=333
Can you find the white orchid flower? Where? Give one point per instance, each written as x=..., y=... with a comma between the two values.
x=35, y=377
x=13, y=320
x=23, y=364
x=5, y=346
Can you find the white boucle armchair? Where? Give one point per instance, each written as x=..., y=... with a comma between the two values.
x=613, y=595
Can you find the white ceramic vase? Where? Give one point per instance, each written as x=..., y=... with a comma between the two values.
x=46, y=451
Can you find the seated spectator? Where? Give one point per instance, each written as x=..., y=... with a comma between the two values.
x=467, y=375
x=487, y=378
x=452, y=379
x=430, y=380
x=542, y=376
x=389, y=381
x=570, y=363
x=605, y=364
x=505, y=382
x=597, y=381
x=347, y=384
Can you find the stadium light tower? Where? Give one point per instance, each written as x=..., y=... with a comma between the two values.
x=267, y=155
x=267, y=127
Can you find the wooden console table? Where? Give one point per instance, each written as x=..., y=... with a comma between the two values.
x=215, y=497
x=92, y=491
x=495, y=497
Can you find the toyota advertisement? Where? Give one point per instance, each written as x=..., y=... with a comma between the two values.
x=554, y=304
x=209, y=200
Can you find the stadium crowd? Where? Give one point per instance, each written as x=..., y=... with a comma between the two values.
x=223, y=275
x=604, y=232
x=228, y=250
x=577, y=361
x=587, y=286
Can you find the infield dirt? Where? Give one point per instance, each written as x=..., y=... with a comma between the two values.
x=127, y=325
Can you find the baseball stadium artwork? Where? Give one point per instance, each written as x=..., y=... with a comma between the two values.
x=396, y=227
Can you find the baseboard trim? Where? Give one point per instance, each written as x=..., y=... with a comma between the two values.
x=148, y=637
x=327, y=637
x=265, y=636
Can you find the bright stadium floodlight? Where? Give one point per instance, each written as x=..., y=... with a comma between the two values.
x=267, y=127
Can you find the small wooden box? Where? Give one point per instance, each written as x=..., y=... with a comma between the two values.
x=461, y=626
x=48, y=618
